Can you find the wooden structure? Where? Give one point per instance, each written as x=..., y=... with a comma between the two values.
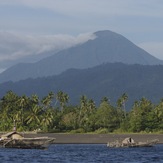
x=16, y=140
x=129, y=142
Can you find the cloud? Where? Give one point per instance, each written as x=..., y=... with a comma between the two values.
x=76, y=16
x=1, y=70
x=95, y=7
x=139, y=21
x=15, y=46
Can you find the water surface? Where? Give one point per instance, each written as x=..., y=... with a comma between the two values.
x=81, y=153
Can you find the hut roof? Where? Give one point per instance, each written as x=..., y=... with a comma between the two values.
x=10, y=134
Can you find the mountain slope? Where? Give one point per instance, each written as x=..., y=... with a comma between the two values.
x=111, y=80
x=107, y=47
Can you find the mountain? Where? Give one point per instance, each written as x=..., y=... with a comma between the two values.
x=107, y=47
x=110, y=80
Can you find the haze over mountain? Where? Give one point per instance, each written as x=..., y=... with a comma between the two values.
x=107, y=47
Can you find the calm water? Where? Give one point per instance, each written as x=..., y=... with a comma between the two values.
x=80, y=153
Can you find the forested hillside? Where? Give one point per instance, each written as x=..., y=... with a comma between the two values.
x=110, y=80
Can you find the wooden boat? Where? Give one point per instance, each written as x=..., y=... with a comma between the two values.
x=129, y=142
x=16, y=140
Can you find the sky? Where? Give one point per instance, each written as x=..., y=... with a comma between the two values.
x=33, y=29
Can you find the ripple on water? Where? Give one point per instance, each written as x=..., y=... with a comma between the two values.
x=81, y=153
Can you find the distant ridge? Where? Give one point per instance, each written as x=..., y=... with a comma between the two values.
x=107, y=47
x=107, y=80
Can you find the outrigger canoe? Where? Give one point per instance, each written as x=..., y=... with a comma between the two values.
x=16, y=140
x=129, y=142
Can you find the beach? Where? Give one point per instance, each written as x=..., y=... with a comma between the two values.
x=62, y=138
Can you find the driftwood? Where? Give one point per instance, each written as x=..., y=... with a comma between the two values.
x=129, y=142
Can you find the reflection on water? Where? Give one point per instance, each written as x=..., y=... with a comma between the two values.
x=83, y=153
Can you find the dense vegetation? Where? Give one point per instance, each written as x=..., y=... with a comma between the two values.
x=110, y=80
x=52, y=114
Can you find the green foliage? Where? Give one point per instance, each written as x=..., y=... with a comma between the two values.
x=77, y=131
x=106, y=117
x=44, y=115
x=141, y=116
x=102, y=131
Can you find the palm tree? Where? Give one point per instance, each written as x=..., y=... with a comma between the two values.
x=83, y=103
x=121, y=102
x=8, y=107
x=23, y=104
x=104, y=99
x=33, y=117
x=63, y=98
x=91, y=106
x=47, y=119
x=158, y=112
x=35, y=99
x=46, y=101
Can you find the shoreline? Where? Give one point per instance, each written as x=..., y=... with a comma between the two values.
x=64, y=138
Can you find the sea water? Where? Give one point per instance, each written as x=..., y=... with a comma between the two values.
x=83, y=153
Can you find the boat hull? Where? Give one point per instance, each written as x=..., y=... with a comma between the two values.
x=28, y=143
x=126, y=144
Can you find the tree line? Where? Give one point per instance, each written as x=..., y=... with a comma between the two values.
x=53, y=113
